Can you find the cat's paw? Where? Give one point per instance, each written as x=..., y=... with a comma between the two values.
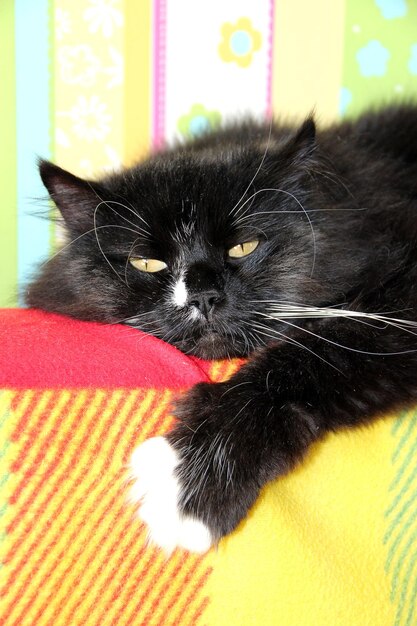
x=156, y=488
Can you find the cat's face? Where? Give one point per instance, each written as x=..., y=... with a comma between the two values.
x=191, y=246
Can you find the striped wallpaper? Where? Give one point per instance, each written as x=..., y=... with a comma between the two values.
x=93, y=84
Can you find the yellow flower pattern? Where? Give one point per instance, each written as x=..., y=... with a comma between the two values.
x=239, y=42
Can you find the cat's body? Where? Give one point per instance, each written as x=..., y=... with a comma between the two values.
x=261, y=240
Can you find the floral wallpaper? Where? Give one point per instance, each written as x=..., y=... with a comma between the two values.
x=88, y=88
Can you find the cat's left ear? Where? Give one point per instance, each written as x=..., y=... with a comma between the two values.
x=298, y=153
x=75, y=197
x=303, y=144
x=306, y=134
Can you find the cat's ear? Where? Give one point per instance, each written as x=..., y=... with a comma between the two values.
x=298, y=153
x=303, y=144
x=306, y=134
x=75, y=198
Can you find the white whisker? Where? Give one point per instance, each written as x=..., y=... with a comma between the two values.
x=128, y=208
x=287, y=193
x=289, y=311
x=139, y=229
x=266, y=330
x=131, y=319
x=335, y=343
x=257, y=171
x=88, y=232
x=101, y=249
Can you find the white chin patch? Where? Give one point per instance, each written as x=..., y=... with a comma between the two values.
x=179, y=296
x=156, y=488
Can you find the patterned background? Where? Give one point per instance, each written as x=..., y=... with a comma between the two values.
x=94, y=84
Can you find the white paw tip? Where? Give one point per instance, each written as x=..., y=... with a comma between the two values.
x=156, y=488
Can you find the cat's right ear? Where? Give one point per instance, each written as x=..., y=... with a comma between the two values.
x=303, y=144
x=75, y=198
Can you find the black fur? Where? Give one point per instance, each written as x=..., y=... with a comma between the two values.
x=336, y=216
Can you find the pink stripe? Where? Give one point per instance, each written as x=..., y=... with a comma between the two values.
x=159, y=55
x=269, y=77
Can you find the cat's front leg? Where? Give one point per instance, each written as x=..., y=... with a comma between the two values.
x=199, y=482
x=196, y=484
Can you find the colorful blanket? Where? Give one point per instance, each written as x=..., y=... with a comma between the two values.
x=334, y=543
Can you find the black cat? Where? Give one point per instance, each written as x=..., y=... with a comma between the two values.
x=294, y=247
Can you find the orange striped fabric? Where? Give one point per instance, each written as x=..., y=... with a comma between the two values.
x=71, y=548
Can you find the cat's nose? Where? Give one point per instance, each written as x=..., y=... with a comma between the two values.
x=205, y=301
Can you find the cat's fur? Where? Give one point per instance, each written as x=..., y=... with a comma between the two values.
x=336, y=216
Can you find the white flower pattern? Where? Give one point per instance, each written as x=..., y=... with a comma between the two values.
x=115, y=161
x=78, y=65
x=91, y=120
x=62, y=138
x=62, y=23
x=102, y=15
x=115, y=71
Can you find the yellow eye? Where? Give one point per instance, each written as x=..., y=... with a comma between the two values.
x=148, y=265
x=243, y=249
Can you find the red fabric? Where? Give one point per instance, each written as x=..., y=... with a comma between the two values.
x=44, y=350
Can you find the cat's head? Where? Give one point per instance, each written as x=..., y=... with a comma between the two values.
x=192, y=244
